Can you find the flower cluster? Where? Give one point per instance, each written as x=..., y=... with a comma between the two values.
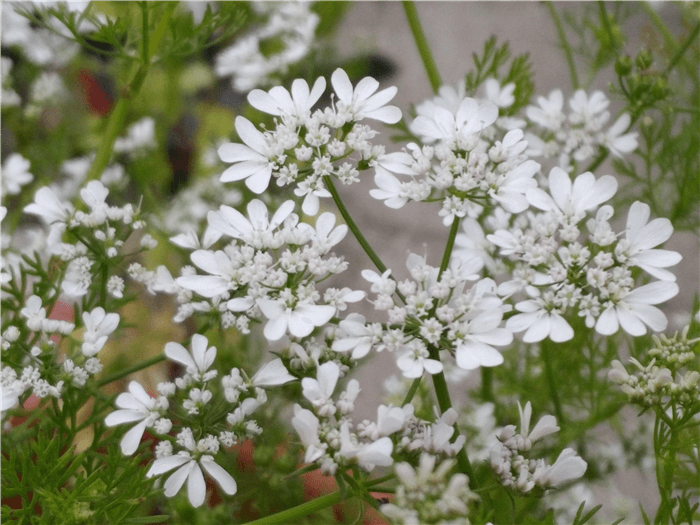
x=429, y=495
x=665, y=377
x=459, y=163
x=291, y=24
x=33, y=363
x=268, y=270
x=180, y=408
x=306, y=147
x=438, y=313
x=95, y=236
x=509, y=457
x=563, y=271
x=326, y=430
x=579, y=134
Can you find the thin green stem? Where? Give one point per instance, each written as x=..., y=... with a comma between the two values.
x=449, y=246
x=115, y=125
x=293, y=515
x=546, y=348
x=412, y=391
x=606, y=22
x=487, y=383
x=564, y=44
x=679, y=54
x=355, y=230
x=127, y=371
x=422, y=44
x=445, y=403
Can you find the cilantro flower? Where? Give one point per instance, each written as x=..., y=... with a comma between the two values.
x=279, y=102
x=362, y=101
x=252, y=160
x=135, y=406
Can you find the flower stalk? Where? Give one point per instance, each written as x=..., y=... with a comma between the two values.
x=115, y=125
x=422, y=44
x=564, y=44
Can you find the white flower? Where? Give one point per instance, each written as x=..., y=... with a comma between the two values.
x=511, y=191
x=540, y=321
x=256, y=229
x=34, y=312
x=389, y=420
x=273, y=373
x=362, y=102
x=252, y=161
x=477, y=337
x=319, y=391
x=500, y=96
x=391, y=190
x=567, y=467
x=135, y=405
x=545, y=426
x=10, y=394
x=216, y=263
x=306, y=424
x=98, y=326
x=591, y=112
x=15, y=174
x=615, y=141
x=573, y=200
x=471, y=118
x=377, y=453
x=189, y=470
x=641, y=236
x=416, y=359
x=381, y=284
x=300, y=320
x=196, y=363
x=359, y=338
x=550, y=114
x=48, y=206
x=634, y=309
x=279, y=102
x=324, y=235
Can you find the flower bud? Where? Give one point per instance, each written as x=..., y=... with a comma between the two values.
x=643, y=60
x=623, y=65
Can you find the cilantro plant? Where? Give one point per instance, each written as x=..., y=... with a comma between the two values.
x=181, y=341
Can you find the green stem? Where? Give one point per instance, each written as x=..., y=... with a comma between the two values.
x=412, y=391
x=445, y=403
x=293, y=515
x=606, y=22
x=115, y=125
x=679, y=54
x=448, y=248
x=564, y=44
x=355, y=230
x=487, y=383
x=422, y=44
x=546, y=348
x=598, y=161
x=127, y=371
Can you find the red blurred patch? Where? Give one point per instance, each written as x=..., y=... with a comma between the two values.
x=93, y=94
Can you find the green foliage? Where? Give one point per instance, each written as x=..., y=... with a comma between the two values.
x=57, y=485
x=491, y=64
